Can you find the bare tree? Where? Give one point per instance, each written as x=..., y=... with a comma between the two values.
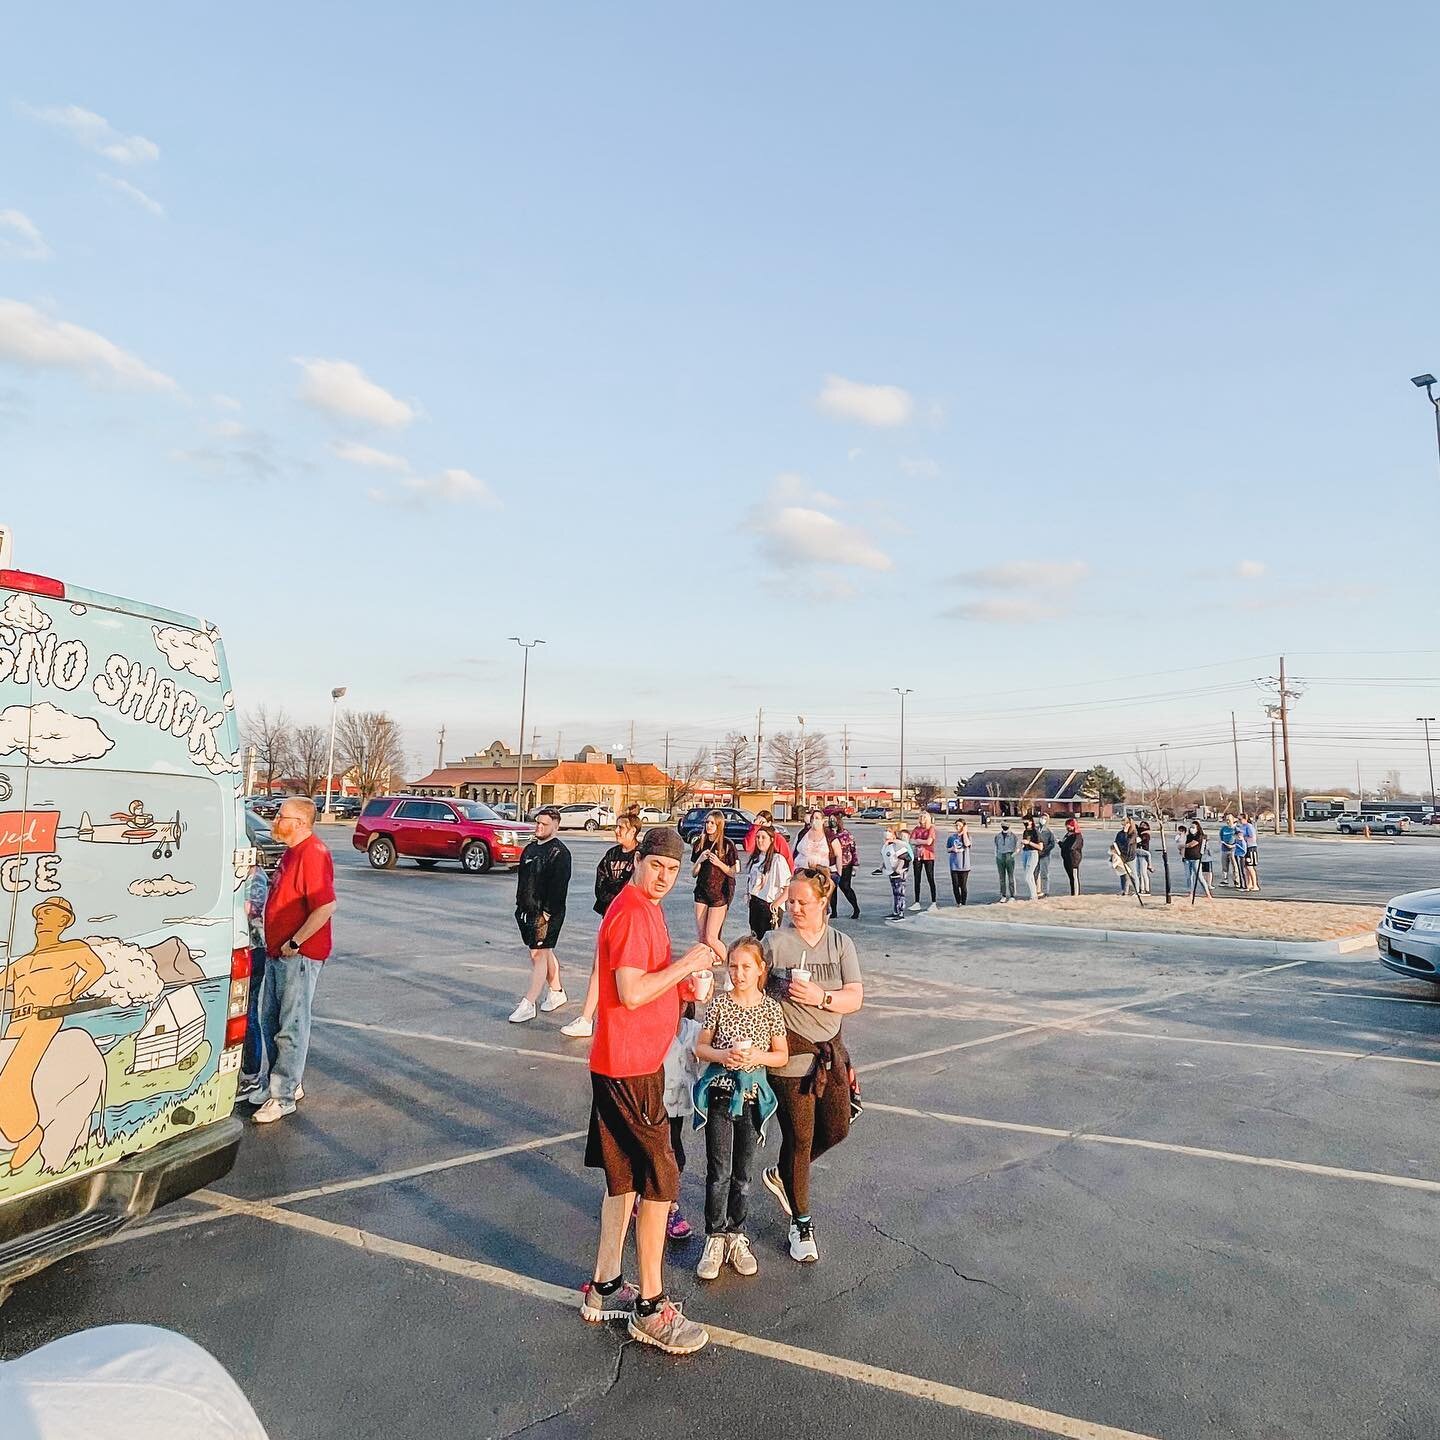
x=310, y=751
x=731, y=760
x=686, y=777
x=1163, y=790
x=925, y=791
x=368, y=745
x=799, y=767
x=270, y=735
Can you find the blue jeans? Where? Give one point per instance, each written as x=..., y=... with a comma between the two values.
x=285, y=1001
x=730, y=1146
x=1194, y=880
x=250, y=1061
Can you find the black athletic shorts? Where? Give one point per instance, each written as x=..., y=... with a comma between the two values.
x=538, y=930
x=630, y=1137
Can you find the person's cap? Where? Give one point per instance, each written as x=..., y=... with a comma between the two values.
x=553, y=811
x=1004, y=824
x=664, y=842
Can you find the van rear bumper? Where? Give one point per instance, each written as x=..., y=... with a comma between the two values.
x=40, y=1228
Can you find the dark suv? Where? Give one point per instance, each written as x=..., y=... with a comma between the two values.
x=428, y=830
x=737, y=822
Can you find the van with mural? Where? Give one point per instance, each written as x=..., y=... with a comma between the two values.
x=123, y=960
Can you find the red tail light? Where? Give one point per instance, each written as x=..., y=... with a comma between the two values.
x=240, y=963
x=33, y=584
x=239, y=996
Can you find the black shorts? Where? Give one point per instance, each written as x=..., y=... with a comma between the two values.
x=539, y=931
x=630, y=1137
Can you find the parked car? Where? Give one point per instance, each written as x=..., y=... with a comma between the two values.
x=1408, y=936
x=428, y=831
x=507, y=810
x=1379, y=824
x=266, y=806
x=653, y=815
x=874, y=812
x=586, y=817
x=342, y=807
x=737, y=822
x=260, y=835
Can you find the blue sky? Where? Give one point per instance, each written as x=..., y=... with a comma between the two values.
x=1049, y=360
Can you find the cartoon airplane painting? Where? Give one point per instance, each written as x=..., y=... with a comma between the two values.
x=133, y=826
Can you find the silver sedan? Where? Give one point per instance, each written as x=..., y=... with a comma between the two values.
x=1409, y=935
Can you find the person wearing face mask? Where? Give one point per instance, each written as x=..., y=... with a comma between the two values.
x=1005, y=848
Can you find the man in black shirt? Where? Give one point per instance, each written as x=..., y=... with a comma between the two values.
x=540, y=892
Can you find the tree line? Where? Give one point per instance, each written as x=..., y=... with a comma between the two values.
x=368, y=750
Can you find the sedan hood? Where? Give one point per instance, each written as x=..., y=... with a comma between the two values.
x=1423, y=902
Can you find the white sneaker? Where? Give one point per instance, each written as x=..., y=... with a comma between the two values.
x=579, y=1028
x=712, y=1258
x=524, y=1011
x=553, y=1000
x=914, y=904
x=933, y=905
x=273, y=1110
x=802, y=1243
x=742, y=1257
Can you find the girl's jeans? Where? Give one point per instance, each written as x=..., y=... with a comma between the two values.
x=730, y=1146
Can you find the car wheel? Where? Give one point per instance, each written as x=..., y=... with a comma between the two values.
x=592, y=824
x=427, y=864
x=382, y=853
x=1392, y=830
x=475, y=858
x=1345, y=830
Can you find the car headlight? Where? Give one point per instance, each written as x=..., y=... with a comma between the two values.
x=507, y=837
x=1426, y=922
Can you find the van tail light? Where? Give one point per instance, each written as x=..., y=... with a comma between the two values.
x=239, y=1006
x=33, y=584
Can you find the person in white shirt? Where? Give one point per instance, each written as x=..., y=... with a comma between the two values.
x=767, y=880
x=895, y=861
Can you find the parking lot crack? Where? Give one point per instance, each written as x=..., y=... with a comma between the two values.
x=934, y=1260
x=586, y=1397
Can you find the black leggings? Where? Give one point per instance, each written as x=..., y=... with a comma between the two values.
x=960, y=884
x=927, y=869
x=808, y=1128
x=845, y=887
x=1072, y=873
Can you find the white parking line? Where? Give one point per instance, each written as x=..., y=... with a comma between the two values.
x=1075, y=1020
x=453, y=1040
x=833, y=1366
x=1257, y=1045
x=1268, y=1162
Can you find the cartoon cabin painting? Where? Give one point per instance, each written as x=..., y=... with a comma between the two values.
x=174, y=1031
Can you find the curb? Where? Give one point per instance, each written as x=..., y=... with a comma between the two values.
x=1155, y=939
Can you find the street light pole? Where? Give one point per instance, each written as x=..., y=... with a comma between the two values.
x=1427, y=721
x=902, y=694
x=527, y=646
x=336, y=695
x=1428, y=383
x=800, y=768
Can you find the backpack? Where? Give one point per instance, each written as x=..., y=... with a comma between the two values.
x=849, y=855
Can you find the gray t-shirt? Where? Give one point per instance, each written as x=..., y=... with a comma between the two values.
x=832, y=963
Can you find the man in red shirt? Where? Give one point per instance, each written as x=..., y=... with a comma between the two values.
x=297, y=944
x=637, y=1017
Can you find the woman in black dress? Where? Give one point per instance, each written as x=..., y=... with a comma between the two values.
x=714, y=864
x=1072, y=847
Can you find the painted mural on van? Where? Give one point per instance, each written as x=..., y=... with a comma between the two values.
x=120, y=882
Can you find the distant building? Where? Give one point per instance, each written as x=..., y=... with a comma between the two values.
x=592, y=777
x=1025, y=788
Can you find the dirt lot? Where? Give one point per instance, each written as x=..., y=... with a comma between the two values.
x=1252, y=917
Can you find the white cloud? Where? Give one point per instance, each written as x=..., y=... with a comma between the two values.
x=192, y=650
x=160, y=885
x=921, y=469
x=47, y=735
x=1003, y=610
x=30, y=337
x=343, y=389
x=1025, y=575
x=881, y=405
x=796, y=530
x=1251, y=569
x=225, y=402
x=370, y=457
x=135, y=193
x=131, y=976
x=95, y=133
x=23, y=613
x=20, y=236
x=449, y=487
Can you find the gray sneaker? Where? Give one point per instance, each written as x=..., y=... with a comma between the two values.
x=597, y=1308
x=741, y=1256
x=668, y=1330
x=776, y=1186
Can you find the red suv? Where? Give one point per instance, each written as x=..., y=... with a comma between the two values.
x=428, y=831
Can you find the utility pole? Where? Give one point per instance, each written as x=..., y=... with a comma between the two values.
x=1285, y=736
x=440, y=758
x=1235, y=744
x=1427, y=721
x=845, y=751
x=630, y=753
x=1272, y=711
x=759, y=725
x=1359, y=793
x=669, y=788
x=559, y=745
x=800, y=766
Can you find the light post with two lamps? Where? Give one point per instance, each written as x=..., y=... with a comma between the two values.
x=902, y=694
x=336, y=696
x=1427, y=383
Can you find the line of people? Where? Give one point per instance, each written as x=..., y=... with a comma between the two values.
x=769, y=1045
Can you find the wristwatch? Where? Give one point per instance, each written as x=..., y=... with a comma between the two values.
x=825, y=1003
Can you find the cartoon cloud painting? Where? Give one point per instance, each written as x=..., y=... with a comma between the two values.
x=192, y=650
x=22, y=613
x=48, y=735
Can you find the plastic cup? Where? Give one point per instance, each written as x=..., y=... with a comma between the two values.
x=800, y=972
x=703, y=982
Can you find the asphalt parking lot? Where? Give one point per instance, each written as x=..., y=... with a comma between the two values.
x=1097, y=1192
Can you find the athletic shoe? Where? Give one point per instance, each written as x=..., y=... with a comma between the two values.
x=677, y=1227
x=855, y=915
x=741, y=1256
x=299, y=1092
x=579, y=1028
x=914, y=904
x=802, y=1243
x=668, y=1330
x=252, y=1095
x=716, y=1249
x=597, y=1308
x=524, y=1011
x=553, y=1000
x=273, y=1110
x=771, y=1180
x=932, y=905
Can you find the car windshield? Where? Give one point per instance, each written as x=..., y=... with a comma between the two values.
x=473, y=810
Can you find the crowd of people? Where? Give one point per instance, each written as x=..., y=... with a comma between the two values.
x=681, y=1043
x=1133, y=848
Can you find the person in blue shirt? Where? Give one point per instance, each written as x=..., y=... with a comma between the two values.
x=1227, y=850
